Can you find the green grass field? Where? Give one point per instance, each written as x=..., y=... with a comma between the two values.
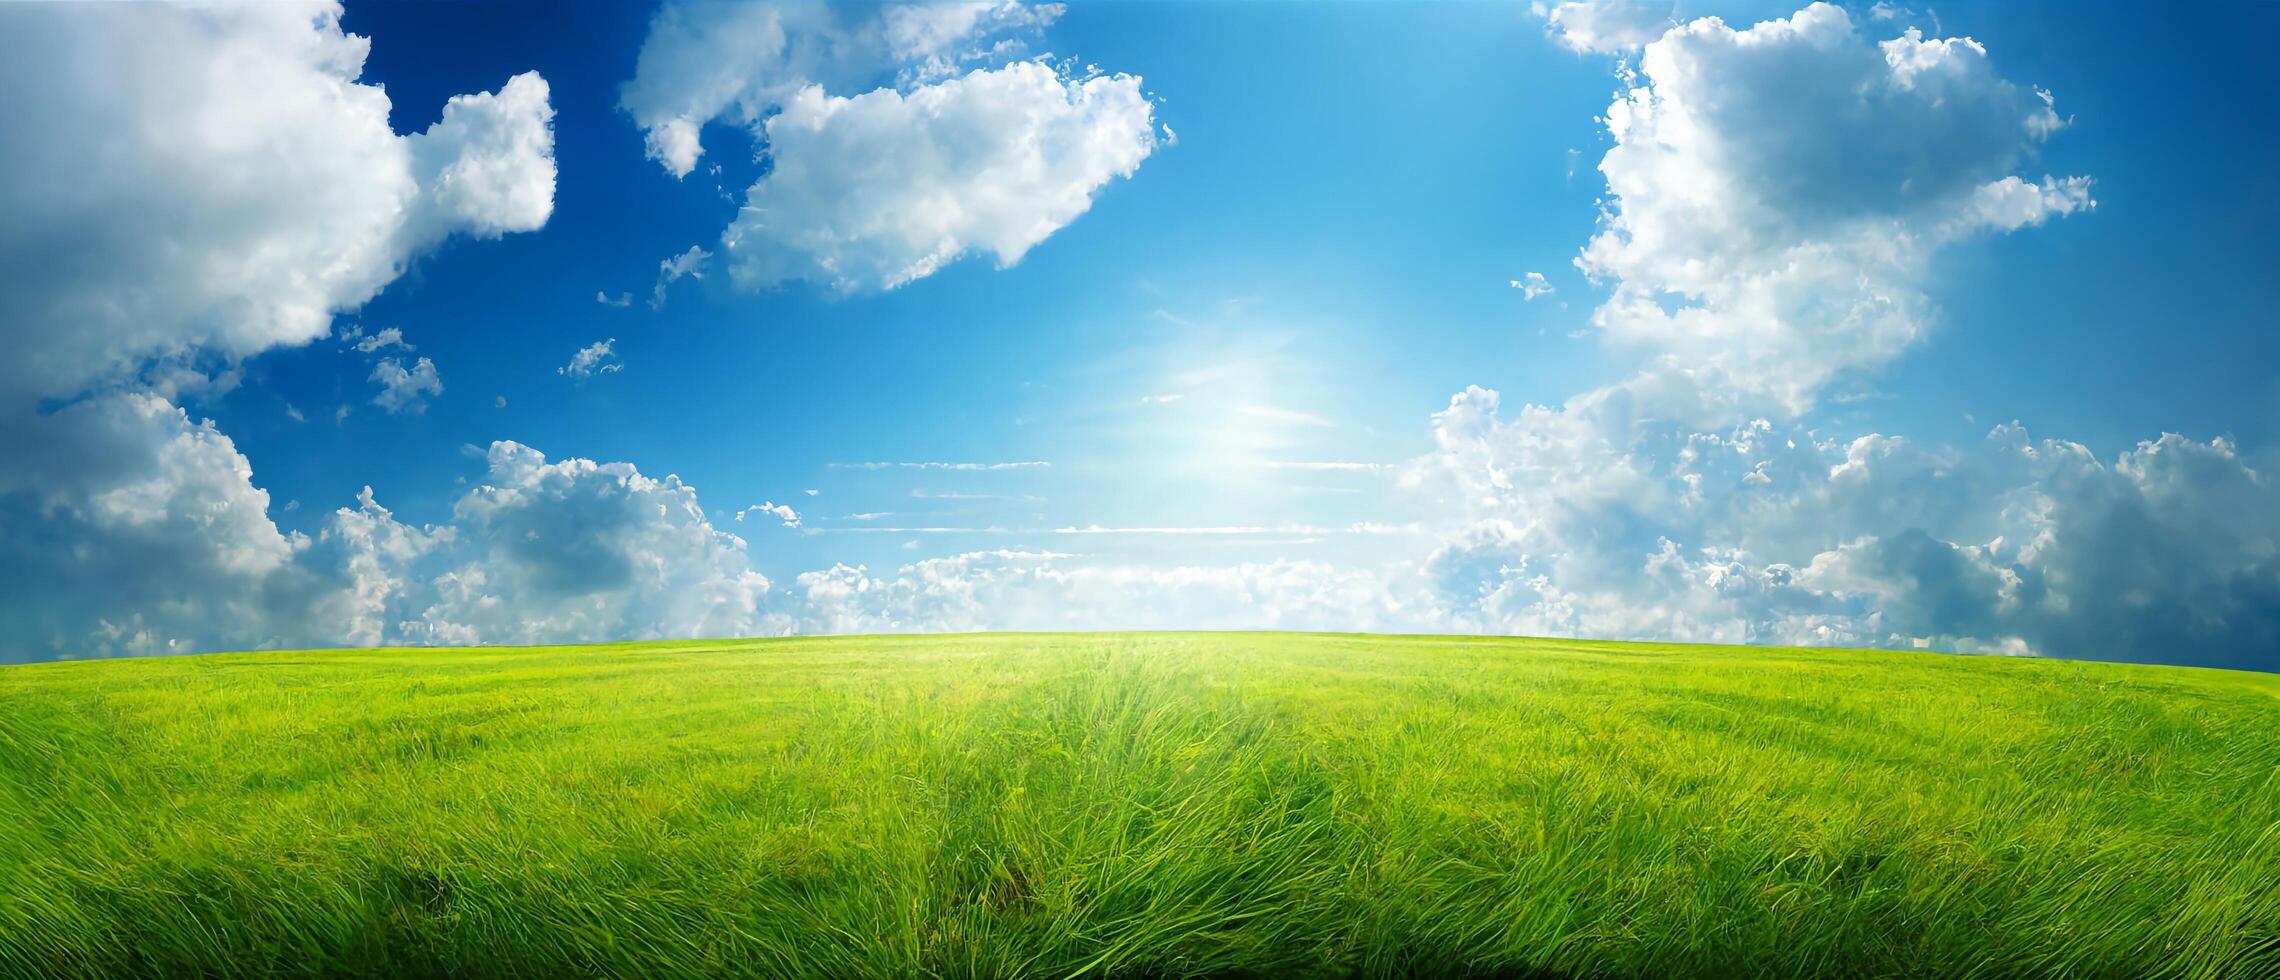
x=1138, y=805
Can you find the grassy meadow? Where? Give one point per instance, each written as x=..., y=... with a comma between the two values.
x=1137, y=805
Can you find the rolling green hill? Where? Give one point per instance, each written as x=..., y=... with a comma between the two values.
x=1137, y=805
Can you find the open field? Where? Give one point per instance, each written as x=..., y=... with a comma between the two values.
x=1137, y=805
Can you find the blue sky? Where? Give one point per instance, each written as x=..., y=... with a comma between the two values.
x=1277, y=223
x=1356, y=198
x=1312, y=269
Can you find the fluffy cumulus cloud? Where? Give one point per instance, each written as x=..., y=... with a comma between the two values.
x=896, y=143
x=781, y=512
x=737, y=63
x=578, y=550
x=487, y=167
x=405, y=389
x=210, y=182
x=875, y=191
x=1778, y=191
x=1776, y=194
x=125, y=527
x=206, y=183
x=174, y=551
x=541, y=552
x=353, y=583
x=1583, y=521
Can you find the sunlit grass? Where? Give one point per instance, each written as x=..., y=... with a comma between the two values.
x=1137, y=805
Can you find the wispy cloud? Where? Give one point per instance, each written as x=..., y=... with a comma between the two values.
x=1326, y=466
x=1172, y=318
x=1532, y=286
x=689, y=265
x=1285, y=415
x=598, y=357
x=1219, y=531
x=960, y=495
x=929, y=465
x=914, y=530
x=1365, y=527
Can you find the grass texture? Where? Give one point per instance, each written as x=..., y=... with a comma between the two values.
x=1137, y=805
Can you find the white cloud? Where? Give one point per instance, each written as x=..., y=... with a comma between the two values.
x=210, y=182
x=365, y=552
x=961, y=495
x=781, y=512
x=896, y=144
x=593, y=359
x=1284, y=530
x=910, y=530
x=1030, y=464
x=1274, y=414
x=129, y=529
x=402, y=389
x=621, y=300
x=1605, y=26
x=1777, y=194
x=1570, y=523
x=938, y=37
x=1532, y=286
x=207, y=183
x=1327, y=466
x=487, y=165
x=2011, y=203
x=1245, y=530
x=168, y=549
x=578, y=550
x=737, y=63
x=386, y=337
x=690, y=264
x=1588, y=521
x=1024, y=590
x=877, y=190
